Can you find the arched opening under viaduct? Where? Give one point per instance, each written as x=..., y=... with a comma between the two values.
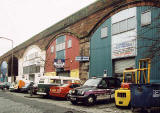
x=13, y=71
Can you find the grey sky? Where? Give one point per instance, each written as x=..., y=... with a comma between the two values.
x=22, y=19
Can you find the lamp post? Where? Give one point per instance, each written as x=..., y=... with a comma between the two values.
x=12, y=53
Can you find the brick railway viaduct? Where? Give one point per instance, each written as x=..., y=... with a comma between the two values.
x=81, y=24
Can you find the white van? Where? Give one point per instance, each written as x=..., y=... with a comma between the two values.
x=57, y=80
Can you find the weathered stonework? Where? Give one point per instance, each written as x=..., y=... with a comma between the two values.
x=82, y=24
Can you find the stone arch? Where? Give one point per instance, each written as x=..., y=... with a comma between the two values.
x=4, y=71
x=60, y=34
x=119, y=7
x=13, y=68
x=29, y=48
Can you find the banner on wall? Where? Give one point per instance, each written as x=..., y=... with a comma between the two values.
x=124, y=49
x=59, y=63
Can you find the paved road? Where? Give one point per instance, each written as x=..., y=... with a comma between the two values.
x=11, y=103
x=22, y=103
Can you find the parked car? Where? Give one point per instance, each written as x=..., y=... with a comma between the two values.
x=5, y=85
x=26, y=88
x=16, y=86
x=94, y=89
x=62, y=90
x=47, y=81
x=12, y=87
x=1, y=84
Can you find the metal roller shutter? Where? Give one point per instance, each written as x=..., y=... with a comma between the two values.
x=121, y=65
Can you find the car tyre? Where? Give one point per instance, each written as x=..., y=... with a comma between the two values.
x=74, y=102
x=67, y=96
x=29, y=91
x=90, y=100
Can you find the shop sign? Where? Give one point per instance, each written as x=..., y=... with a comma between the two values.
x=59, y=63
x=124, y=49
x=82, y=58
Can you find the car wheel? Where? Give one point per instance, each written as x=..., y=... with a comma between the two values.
x=29, y=91
x=67, y=96
x=90, y=100
x=74, y=102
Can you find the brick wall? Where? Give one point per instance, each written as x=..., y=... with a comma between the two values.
x=82, y=25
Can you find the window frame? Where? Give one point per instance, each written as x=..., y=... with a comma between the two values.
x=52, y=49
x=117, y=25
x=147, y=23
x=104, y=32
x=69, y=44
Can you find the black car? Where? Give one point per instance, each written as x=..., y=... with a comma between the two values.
x=94, y=89
x=27, y=87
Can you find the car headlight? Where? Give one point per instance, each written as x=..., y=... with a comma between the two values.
x=73, y=91
x=82, y=92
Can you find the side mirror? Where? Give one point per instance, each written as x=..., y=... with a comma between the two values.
x=100, y=86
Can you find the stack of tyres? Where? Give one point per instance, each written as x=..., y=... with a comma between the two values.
x=145, y=96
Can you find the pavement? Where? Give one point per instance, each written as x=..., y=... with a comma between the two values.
x=11, y=102
x=106, y=106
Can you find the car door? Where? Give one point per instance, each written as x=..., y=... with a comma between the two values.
x=103, y=92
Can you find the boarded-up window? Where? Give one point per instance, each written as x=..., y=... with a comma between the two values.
x=146, y=18
x=104, y=32
x=69, y=43
x=52, y=49
x=124, y=25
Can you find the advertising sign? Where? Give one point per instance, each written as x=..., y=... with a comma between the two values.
x=59, y=63
x=124, y=49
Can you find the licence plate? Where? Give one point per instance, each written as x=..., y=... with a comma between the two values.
x=120, y=102
x=73, y=98
x=53, y=90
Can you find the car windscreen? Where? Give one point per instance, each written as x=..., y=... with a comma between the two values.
x=41, y=81
x=92, y=82
x=26, y=85
x=64, y=85
x=55, y=81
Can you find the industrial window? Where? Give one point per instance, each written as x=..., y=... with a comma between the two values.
x=60, y=54
x=31, y=69
x=25, y=70
x=146, y=18
x=60, y=40
x=60, y=46
x=124, y=25
x=52, y=49
x=131, y=23
x=69, y=43
x=104, y=32
x=115, y=28
x=37, y=69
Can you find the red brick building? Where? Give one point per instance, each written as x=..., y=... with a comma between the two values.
x=60, y=56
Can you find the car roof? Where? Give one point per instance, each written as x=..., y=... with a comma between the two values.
x=104, y=77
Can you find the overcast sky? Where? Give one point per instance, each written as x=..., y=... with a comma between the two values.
x=22, y=19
